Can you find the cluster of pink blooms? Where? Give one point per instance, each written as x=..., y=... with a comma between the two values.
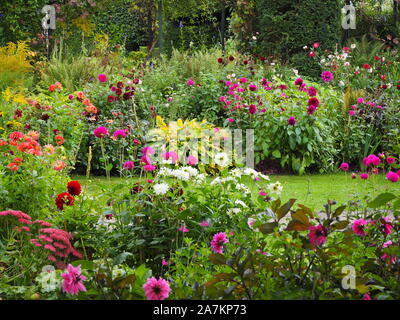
x=218, y=241
x=235, y=90
x=55, y=241
x=363, y=104
x=373, y=162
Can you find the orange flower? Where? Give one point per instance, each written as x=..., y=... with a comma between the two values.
x=80, y=94
x=59, y=165
x=86, y=102
x=17, y=160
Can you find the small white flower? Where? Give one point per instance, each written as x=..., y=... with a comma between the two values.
x=242, y=187
x=254, y=38
x=341, y=83
x=323, y=61
x=305, y=48
x=275, y=187
x=221, y=159
x=353, y=46
x=48, y=279
x=161, y=188
x=346, y=64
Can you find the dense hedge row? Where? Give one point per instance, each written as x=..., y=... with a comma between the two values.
x=287, y=26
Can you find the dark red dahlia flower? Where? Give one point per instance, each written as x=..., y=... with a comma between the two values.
x=74, y=188
x=64, y=198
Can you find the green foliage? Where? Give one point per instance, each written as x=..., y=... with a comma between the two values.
x=286, y=27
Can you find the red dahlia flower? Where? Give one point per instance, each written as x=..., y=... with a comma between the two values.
x=64, y=198
x=74, y=188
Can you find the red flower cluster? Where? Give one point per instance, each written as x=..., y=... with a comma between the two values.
x=66, y=198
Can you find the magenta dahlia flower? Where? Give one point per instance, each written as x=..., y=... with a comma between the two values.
x=392, y=176
x=120, y=134
x=73, y=280
x=317, y=235
x=128, y=165
x=344, y=166
x=359, y=227
x=102, y=77
x=327, y=76
x=291, y=121
x=218, y=241
x=156, y=289
x=100, y=132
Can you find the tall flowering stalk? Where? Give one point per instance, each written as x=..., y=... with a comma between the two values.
x=101, y=133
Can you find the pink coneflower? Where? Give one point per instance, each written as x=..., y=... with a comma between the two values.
x=317, y=235
x=218, y=241
x=192, y=160
x=190, y=82
x=371, y=159
x=360, y=100
x=100, y=132
x=183, y=229
x=291, y=121
x=119, y=134
x=364, y=176
x=392, y=176
x=352, y=113
x=262, y=193
x=204, y=224
x=145, y=159
x=164, y=262
x=128, y=165
x=102, y=77
x=242, y=80
x=73, y=280
x=344, y=166
x=327, y=76
x=156, y=289
x=359, y=227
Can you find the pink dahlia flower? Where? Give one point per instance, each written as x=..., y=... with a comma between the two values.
x=344, y=166
x=100, y=132
x=359, y=227
x=156, y=289
x=128, y=165
x=392, y=176
x=73, y=280
x=218, y=241
x=317, y=235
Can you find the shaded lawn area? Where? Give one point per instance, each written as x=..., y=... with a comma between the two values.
x=310, y=190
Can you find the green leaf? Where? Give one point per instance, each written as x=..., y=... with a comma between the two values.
x=276, y=154
x=121, y=258
x=381, y=200
x=85, y=264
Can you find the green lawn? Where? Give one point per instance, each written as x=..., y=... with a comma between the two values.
x=310, y=190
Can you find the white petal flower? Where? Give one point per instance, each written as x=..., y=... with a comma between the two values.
x=221, y=159
x=161, y=188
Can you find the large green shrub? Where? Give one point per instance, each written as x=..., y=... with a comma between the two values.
x=287, y=26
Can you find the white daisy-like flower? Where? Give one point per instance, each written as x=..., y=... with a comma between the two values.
x=117, y=272
x=181, y=175
x=341, y=83
x=192, y=171
x=161, y=188
x=275, y=187
x=353, y=46
x=199, y=179
x=221, y=159
x=216, y=181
